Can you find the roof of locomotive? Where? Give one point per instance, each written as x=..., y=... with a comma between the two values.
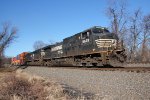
x=94, y=28
x=46, y=47
x=85, y=31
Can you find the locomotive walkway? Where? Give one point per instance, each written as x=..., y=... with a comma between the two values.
x=110, y=84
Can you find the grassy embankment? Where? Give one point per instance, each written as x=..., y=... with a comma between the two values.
x=18, y=85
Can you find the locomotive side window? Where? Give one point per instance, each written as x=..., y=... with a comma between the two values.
x=85, y=35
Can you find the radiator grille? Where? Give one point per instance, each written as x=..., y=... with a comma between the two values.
x=105, y=42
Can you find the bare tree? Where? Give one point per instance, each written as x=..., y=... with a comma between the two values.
x=7, y=36
x=38, y=45
x=119, y=22
x=117, y=13
x=146, y=38
x=135, y=31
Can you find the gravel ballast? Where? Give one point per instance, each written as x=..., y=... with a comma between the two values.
x=107, y=85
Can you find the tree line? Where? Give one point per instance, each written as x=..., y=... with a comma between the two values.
x=8, y=34
x=131, y=27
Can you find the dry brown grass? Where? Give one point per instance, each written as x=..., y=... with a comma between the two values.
x=21, y=86
x=7, y=69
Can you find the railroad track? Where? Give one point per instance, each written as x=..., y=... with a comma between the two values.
x=137, y=65
x=131, y=69
x=127, y=69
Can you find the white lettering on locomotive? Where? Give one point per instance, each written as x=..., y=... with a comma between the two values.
x=42, y=53
x=60, y=52
x=56, y=48
x=85, y=41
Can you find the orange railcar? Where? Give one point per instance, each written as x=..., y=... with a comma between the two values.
x=19, y=60
x=13, y=61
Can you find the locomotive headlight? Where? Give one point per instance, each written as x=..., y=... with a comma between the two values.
x=113, y=41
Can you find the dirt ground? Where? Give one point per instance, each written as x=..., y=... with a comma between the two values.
x=18, y=85
x=115, y=85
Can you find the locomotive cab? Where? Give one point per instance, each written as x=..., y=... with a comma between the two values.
x=103, y=33
x=104, y=39
x=99, y=30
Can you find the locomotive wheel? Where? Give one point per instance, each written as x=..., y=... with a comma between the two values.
x=94, y=64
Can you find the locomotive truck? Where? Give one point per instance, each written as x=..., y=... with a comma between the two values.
x=95, y=46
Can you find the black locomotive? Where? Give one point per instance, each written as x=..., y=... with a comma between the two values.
x=95, y=46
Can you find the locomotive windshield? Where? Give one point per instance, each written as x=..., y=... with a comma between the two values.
x=100, y=30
